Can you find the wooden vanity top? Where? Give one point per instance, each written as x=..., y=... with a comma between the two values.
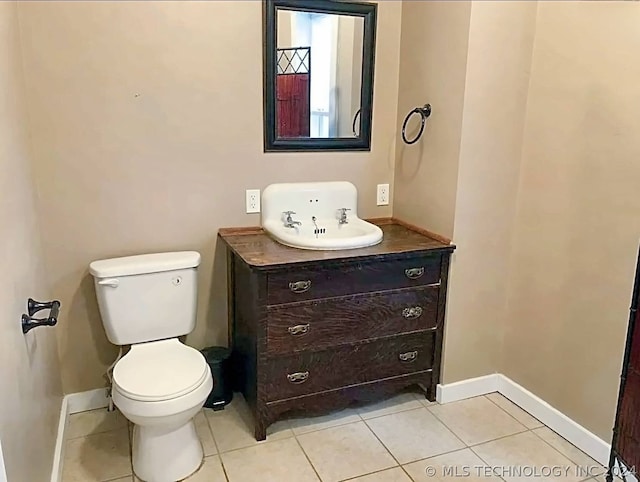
x=259, y=250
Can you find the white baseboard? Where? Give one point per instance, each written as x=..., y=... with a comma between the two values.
x=90, y=400
x=58, y=454
x=557, y=421
x=575, y=433
x=473, y=387
x=74, y=403
x=3, y=472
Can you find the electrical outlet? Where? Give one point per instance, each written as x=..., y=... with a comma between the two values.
x=253, y=201
x=383, y=195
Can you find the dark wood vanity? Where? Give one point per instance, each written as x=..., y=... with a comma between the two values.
x=313, y=331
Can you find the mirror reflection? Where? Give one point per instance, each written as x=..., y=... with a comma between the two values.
x=318, y=74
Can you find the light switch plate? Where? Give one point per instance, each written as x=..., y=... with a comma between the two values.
x=383, y=195
x=253, y=201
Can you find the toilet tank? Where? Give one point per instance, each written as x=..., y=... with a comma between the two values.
x=147, y=297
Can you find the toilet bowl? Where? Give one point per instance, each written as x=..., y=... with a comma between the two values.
x=147, y=302
x=160, y=386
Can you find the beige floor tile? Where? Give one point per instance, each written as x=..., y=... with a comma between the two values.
x=211, y=471
x=94, y=421
x=233, y=427
x=279, y=461
x=570, y=451
x=333, y=419
x=347, y=451
x=100, y=457
x=426, y=403
x=398, y=403
x=516, y=412
x=477, y=420
x=205, y=435
x=129, y=478
x=419, y=395
x=460, y=465
x=526, y=450
x=390, y=475
x=414, y=435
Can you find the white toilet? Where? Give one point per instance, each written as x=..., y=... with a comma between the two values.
x=147, y=302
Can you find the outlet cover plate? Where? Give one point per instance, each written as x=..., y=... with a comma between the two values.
x=383, y=195
x=253, y=201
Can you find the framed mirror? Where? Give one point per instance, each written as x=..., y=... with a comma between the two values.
x=318, y=74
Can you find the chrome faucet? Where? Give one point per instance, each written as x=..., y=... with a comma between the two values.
x=289, y=222
x=343, y=216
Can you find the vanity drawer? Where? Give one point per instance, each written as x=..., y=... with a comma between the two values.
x=323, y=282
x=327, y=370
x=336, y=321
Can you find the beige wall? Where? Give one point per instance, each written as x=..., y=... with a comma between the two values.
x=433, y=61
x=501, y=39
x=284, y=24
x=534, y=173
x=147, y=129
x=461, y=179
x=578, y=221
x=30, y=389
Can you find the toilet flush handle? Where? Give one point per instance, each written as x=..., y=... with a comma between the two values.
x=109, y=282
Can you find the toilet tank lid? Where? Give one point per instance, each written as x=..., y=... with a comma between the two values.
x=144, y=263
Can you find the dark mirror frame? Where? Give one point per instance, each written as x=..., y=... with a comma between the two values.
x=368, y=11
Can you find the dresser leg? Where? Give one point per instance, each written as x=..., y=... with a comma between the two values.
x=260, y=430
x=430, y=394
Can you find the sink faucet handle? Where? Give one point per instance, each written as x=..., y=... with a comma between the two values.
x=343, y=215
x=289, y=221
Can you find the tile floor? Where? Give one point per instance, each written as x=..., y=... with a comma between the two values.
x=402, y=439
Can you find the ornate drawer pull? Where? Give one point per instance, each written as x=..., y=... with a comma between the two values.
x=414, y=273
x=299, y=377
x=409, y=356
x=299, y=329
x=300, y=286
x=412, y=313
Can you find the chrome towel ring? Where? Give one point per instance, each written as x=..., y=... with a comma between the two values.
x=424, y=112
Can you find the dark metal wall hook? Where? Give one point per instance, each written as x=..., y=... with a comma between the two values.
x=424, y=112
x=28, y=322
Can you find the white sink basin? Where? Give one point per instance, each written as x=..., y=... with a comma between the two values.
x=317, y=207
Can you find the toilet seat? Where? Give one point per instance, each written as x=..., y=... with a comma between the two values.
x=160, y=371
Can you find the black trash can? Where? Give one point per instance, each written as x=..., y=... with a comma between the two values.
x=219, y=359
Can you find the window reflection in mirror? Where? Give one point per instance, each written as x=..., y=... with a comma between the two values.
x=318, y=75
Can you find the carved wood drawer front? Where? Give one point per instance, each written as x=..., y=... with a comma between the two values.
x=315, y=325
x=323, y=282
x=315, y=372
